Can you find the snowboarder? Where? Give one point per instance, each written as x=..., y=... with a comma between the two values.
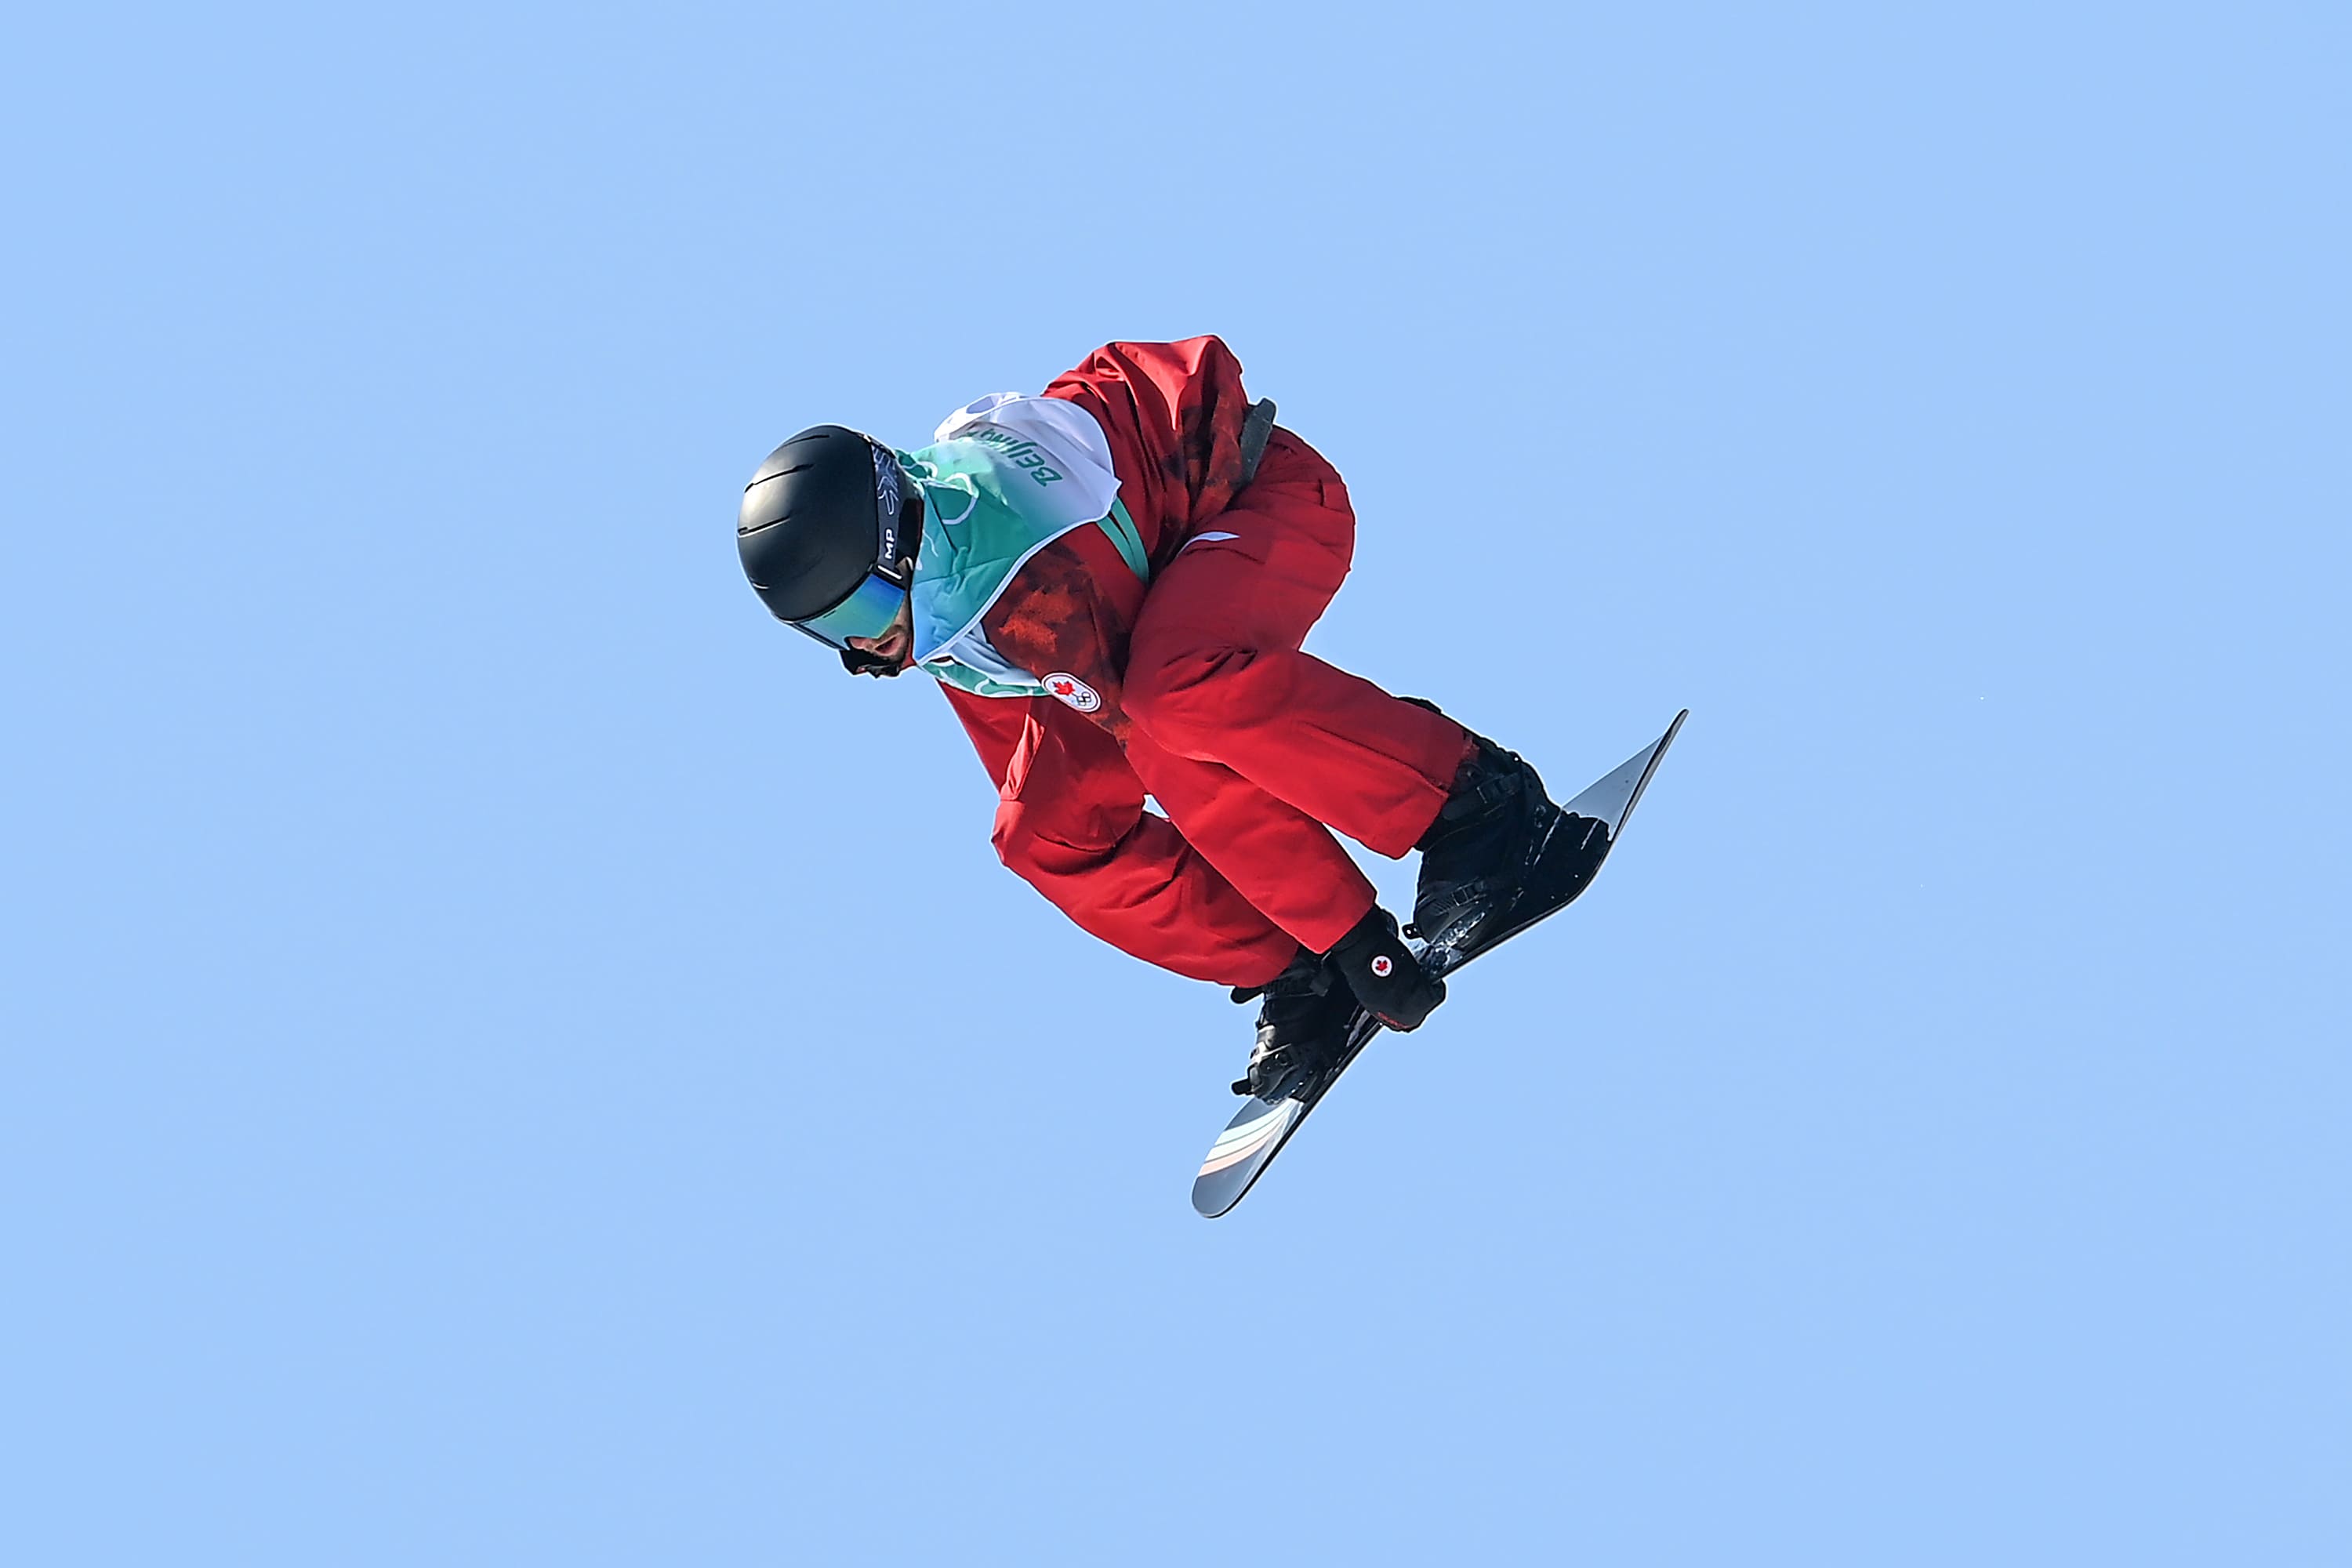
x=1111, y=582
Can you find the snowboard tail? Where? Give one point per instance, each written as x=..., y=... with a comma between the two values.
x=1579, y=840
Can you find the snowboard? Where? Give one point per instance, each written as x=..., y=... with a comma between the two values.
x=1578, y=841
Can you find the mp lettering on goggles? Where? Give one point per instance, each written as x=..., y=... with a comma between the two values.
x=886, y=499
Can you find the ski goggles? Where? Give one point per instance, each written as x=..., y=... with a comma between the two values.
x=868, y=609
x=869, y=612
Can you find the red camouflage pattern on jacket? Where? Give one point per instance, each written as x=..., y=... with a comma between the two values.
x=1173, y=415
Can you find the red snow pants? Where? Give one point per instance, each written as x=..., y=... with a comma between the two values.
x=1255, y=749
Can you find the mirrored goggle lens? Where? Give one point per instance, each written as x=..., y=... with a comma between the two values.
x=867, y=613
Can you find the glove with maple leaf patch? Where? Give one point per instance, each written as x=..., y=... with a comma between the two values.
x=1384, y=974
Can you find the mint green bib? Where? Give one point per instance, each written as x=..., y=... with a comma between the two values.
x=989, y=503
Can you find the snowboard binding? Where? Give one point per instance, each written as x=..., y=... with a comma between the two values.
x=1303, y=1018
x=1482, y=856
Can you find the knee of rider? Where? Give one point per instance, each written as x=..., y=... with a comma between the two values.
x=1015, y=844
x=1031, y=854
x=1173, y=688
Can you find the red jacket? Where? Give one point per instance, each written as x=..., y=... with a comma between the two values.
x=1173, y=415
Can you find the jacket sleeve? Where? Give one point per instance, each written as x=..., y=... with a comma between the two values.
x=994, y=726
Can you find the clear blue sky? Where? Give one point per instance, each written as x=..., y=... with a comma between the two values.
x=513, y=1058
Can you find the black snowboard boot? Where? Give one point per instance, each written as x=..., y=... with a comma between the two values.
x=1477, y=856
x=1302, y=1026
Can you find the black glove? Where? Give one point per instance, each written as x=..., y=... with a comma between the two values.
x=1383, y=972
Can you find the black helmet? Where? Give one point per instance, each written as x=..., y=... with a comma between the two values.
x=829, y=511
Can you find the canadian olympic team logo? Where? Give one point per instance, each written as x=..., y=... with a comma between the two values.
x=1074, y=692
x=1383, y=966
